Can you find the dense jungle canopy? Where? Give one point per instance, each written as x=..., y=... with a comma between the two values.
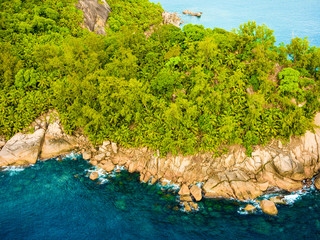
x=179, y=90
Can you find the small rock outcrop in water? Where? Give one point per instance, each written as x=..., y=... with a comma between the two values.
x=95, y=14
x=250, y=208
x=197, y=14
x=268, y=207
x=94, y=175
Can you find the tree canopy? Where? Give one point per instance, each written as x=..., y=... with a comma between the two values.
x=179, y=90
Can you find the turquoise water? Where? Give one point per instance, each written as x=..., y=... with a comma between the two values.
x=56, y=200
x=288, y=18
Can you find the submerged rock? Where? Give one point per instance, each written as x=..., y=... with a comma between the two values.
x=278, y=200
x=268, y=207
x=22, y=149
x=186, y=198
x=250, y=208
x=187, y=207
x=194, y=205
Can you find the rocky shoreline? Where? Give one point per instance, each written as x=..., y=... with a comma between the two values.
x=274, y=167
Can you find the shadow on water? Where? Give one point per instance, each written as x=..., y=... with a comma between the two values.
x=56, y=200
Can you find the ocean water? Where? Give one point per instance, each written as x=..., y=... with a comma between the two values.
x=56, y=200
x=288, y=18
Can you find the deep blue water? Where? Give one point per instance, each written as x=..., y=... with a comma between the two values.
x=56, y=200
x=288, y=18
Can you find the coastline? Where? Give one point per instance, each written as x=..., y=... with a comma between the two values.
x=272, y=168
x=275, y=167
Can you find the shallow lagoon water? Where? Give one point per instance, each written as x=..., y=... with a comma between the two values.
x=288, y=18
x=56, y=200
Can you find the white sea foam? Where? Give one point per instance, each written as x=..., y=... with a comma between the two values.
x=169, y=185
x=72, y=155
x=103, y=175
x=117, y=167
x=14, y=170
x=241, y=210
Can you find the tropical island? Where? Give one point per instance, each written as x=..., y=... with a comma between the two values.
x=229, y=110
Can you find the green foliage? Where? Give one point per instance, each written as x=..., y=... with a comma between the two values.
x=194, y=32
x=139, y=14
x=186, y=90
x=289, y=82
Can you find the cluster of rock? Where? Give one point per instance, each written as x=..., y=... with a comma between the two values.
x=188, y=197
x=268, y=206
x=104, y=157
x=197, y=14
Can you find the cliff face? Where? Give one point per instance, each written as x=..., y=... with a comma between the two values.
x=95, y=14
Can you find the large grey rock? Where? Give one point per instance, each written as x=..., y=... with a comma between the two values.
x=56, y=142
x=95, y=14
x=53, y=147
x=22, y=149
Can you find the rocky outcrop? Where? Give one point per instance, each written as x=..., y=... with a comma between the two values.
x=56, y=142
x=171, y=18
x=95, y=14
x=47, y=141
x=22, y=149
